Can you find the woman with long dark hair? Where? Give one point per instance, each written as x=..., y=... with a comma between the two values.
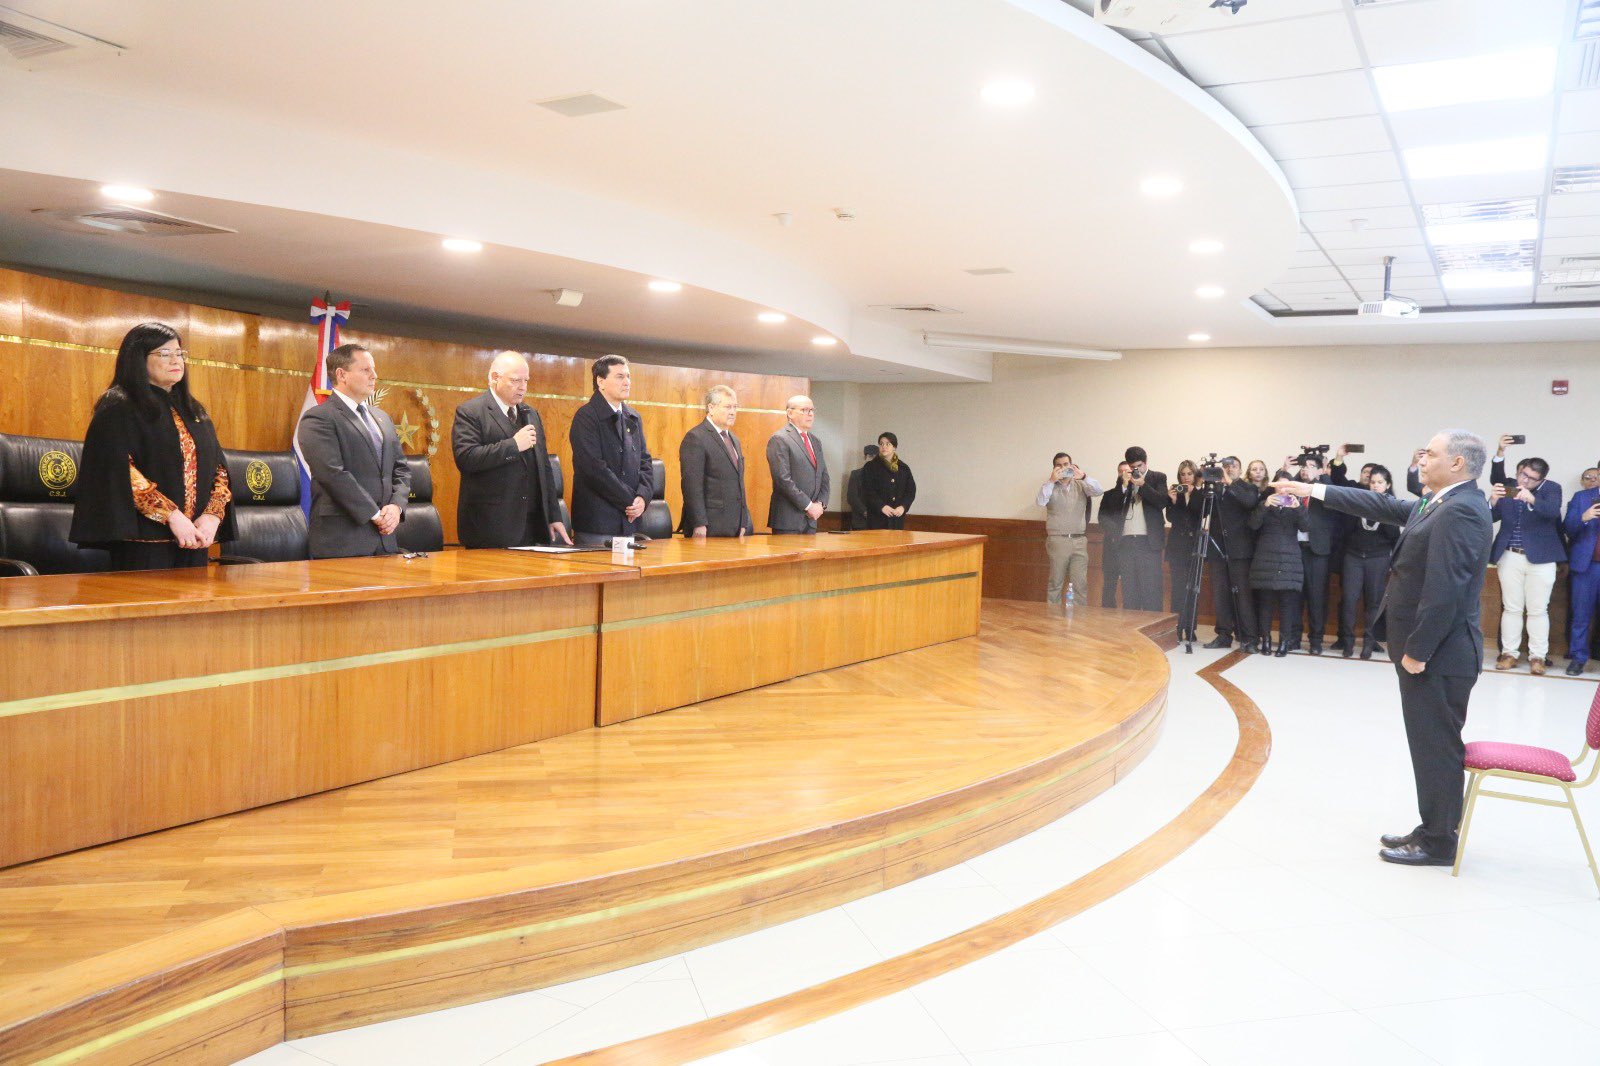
x=887, y=486
x=1368, y=547
x=154, y=488
x=1276, y=571
x=1183, y=513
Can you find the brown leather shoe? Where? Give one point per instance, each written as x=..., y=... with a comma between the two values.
x=1537, y=666
x=1505, y=662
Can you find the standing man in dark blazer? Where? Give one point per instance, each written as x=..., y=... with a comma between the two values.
x=711, y=465
x=1142, y=502
x=1317, y=547
x=1431, y=606
x=508, y=495
x=799, y=472
x=611, y=467
x=359, y=480
x=1230, y=572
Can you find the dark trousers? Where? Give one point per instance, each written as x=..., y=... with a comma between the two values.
x=1361, y=580
x=1315, y=589
x=1141, y=574
x=1228, y=575
x=1180, y=578
x=1287, y=601
x=1111, y=572
x=1435, y=710
x=1585, y=602
x=160, y=555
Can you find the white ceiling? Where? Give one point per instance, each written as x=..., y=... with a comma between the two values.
x=341, y=156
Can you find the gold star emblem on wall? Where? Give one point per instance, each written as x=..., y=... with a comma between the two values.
x=408, y=433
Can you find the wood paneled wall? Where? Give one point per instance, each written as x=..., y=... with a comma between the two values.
x=58, y=340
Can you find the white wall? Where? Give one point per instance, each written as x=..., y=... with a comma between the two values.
x=983, y=449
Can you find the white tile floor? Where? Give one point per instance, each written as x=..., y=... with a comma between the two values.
x=1279, y=938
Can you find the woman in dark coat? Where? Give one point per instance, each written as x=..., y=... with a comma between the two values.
x=887, y=486
x=1276, y=573
x=154, y=488
x=1368, y=547
x=1183, y=515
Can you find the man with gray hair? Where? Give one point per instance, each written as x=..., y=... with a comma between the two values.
x=508, y=495
x=711, y=466
x=1431, y=609
x=799, y=472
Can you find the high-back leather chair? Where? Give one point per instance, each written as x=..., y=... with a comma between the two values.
x=269, y=525
x=422, y=531
x=38, y=483
x=559, y=481
x=656, y=522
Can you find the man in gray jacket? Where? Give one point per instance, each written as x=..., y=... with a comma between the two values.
x=1065, y=498
x=799, y=472
x=359, y=480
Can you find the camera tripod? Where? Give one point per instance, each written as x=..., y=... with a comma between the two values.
x=1205, y=544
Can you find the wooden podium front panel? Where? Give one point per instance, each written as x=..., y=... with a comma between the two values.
x=669, y=639
x=117, y=727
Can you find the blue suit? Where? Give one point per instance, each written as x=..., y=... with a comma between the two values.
x=1540, y=525
x=1581, y=536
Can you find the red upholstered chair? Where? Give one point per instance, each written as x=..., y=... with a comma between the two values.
x=1542, y=766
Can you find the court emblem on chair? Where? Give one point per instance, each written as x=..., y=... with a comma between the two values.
x=57, y=471
x=258, y=479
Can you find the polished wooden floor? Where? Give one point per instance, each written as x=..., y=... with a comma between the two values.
x=576, y=854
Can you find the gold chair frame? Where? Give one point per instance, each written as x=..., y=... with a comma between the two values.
x=1475, y=789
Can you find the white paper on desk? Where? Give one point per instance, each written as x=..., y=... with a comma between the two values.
x=549, y=549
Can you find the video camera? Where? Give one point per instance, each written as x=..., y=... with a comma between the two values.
x=1317, y=453
x=1210, y=470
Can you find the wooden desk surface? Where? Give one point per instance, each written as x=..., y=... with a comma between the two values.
x=685, y=555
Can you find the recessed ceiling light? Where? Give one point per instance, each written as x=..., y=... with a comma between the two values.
x=1199, y=338
x=1515, y=229
x=462, y=244
x=1518, y=75
x=772, y=317
x=659, y=285
x=1507, y=155
x=127, y=193
x=1457, y=280
x=1208, y=292
x=1007, y=92
x=1161, y=185
x=824, y=341
x=1205, y=247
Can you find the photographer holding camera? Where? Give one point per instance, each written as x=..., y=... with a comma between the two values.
x=1232, y=597
x=1525, y=553
x=1142, y=501
x=1183, y=540
x=1316, y=543
x=1065, y=497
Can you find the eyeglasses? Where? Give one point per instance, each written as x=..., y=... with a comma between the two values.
x=180, y=355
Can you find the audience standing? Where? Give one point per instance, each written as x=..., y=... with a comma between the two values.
x=1526, y=549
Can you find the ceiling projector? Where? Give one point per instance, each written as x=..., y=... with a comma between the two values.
x=1164, y=16
x=1391, y=306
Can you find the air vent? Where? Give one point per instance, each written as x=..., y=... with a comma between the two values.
x=1481, y=211
x=1588, y=20
x=1589, y=287
x=1570, y=277
x=580, y=105
x=136, y=221
x=985, y=272
x=34, y=44
x=927, y=309
x=1576, y=177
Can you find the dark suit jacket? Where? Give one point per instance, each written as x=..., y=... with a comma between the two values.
x=713, y=484
x=795, y=482
x=1431, y=601
x=1233, y=510
x=350, y=481
x=1541, y=523
x=1152, y=497
x=500, y=486
x=611, y=466
x=1581, y=535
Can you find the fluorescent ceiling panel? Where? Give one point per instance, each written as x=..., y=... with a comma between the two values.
x=1508, y=155
x=1518, y=75
x=1513, y=229
x=1469, y=280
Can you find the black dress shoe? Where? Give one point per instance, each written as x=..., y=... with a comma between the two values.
x=1575, y=667
x=1316, y=647
x=1413, y=855
x=1397, y=840
x=1283, y=649
x=1219, y=641
x=1366, y=650
x=1266, y=647
x=1345, y=646
x=1248, y=647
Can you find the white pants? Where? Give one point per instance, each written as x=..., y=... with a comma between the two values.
x=1525, y=586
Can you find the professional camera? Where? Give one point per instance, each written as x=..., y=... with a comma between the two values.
x=1210, y=470
x=1317, y=453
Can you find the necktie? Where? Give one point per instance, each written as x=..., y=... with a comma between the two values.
x=371, y=427
x=621, y=433
x=806, y=440
x=727, y=442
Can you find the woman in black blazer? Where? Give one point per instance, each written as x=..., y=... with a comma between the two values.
x=1276, y=573
x=1183, y=514
x=1368, y=547
x=154, y=487
x=887, y=486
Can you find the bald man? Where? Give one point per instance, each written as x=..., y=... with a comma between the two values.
x=508, y=495
x=799, y=473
